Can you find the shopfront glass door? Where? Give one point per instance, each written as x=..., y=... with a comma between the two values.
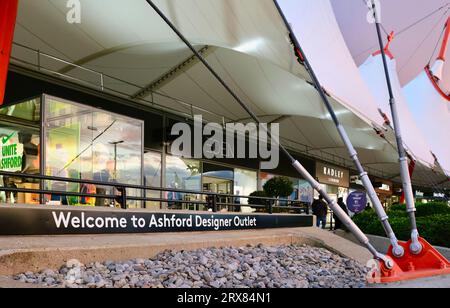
x=219, y=180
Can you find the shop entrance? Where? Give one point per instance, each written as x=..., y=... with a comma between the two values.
x=219, y=180
x=336, y=182
x=217, y=185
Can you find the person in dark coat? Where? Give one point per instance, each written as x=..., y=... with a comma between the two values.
x=338, y=223
x=320, y=209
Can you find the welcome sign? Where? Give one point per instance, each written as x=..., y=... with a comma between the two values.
x=59, y=221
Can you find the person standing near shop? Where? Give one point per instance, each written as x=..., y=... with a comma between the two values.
x=338, y=223
x=320, y=210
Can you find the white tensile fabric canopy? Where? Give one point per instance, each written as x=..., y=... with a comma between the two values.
x=244, y=40
x=373, y=73
x=431, y=112
x=363, y=90
x=319, y=34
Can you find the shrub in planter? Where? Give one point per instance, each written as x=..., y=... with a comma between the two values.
x=434, y=228
x=279, y=187
x=397, y=207
x=257, y=201
x=423, y=209
x=368, y=222
x=430, y=209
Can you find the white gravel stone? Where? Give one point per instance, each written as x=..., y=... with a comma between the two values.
x=244, y=267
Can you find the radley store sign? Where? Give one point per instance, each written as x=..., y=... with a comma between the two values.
x=332, y=175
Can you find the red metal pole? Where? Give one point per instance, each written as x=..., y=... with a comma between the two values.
x=8, y=14
x=444, y=47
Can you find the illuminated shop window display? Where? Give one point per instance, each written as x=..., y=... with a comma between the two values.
x=152, y=177
x=183, y=174
x=20, y=150
x=82, y=142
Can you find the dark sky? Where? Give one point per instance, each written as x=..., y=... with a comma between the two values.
x=412, y=49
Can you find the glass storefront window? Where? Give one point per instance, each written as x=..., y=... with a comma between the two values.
x=220, y=180
x=152, y=177
x=20, y=150
x=245, y=183
x=305, y=192
x=86, y=143
x=334, y=192
x=29, y=110
x=265, y=177
x=182, y=174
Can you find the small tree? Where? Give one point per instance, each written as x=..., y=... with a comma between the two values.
x=279, y=187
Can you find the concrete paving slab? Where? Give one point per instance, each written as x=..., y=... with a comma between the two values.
x=442, y=282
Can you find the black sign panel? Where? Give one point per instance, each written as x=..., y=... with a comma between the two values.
x=57, y=221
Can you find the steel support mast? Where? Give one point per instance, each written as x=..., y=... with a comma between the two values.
x=398, y=251
x=352, y=227
x=416, y=246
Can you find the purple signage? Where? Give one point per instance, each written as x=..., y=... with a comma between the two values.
x=357, y=202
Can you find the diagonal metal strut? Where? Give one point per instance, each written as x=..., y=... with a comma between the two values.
x=416, y=246
x=301, y=169
x=398, y=251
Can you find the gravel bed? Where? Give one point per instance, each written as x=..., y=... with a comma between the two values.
x=245, y=267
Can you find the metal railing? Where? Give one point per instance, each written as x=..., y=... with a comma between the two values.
x=209, y=200
x=101, y=84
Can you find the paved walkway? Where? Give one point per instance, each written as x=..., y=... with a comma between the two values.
x=426, y=283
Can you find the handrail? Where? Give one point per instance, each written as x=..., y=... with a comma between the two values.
x=124, y=197
x=130, y=186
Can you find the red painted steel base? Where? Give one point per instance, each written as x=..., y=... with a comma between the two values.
x=428, y=263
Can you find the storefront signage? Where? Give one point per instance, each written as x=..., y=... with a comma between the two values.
x=357, y=202
x=56, y=221
x=383, y=187
x=439, y=195
x=356, y=180
x=332, y=175
x=10, y=154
